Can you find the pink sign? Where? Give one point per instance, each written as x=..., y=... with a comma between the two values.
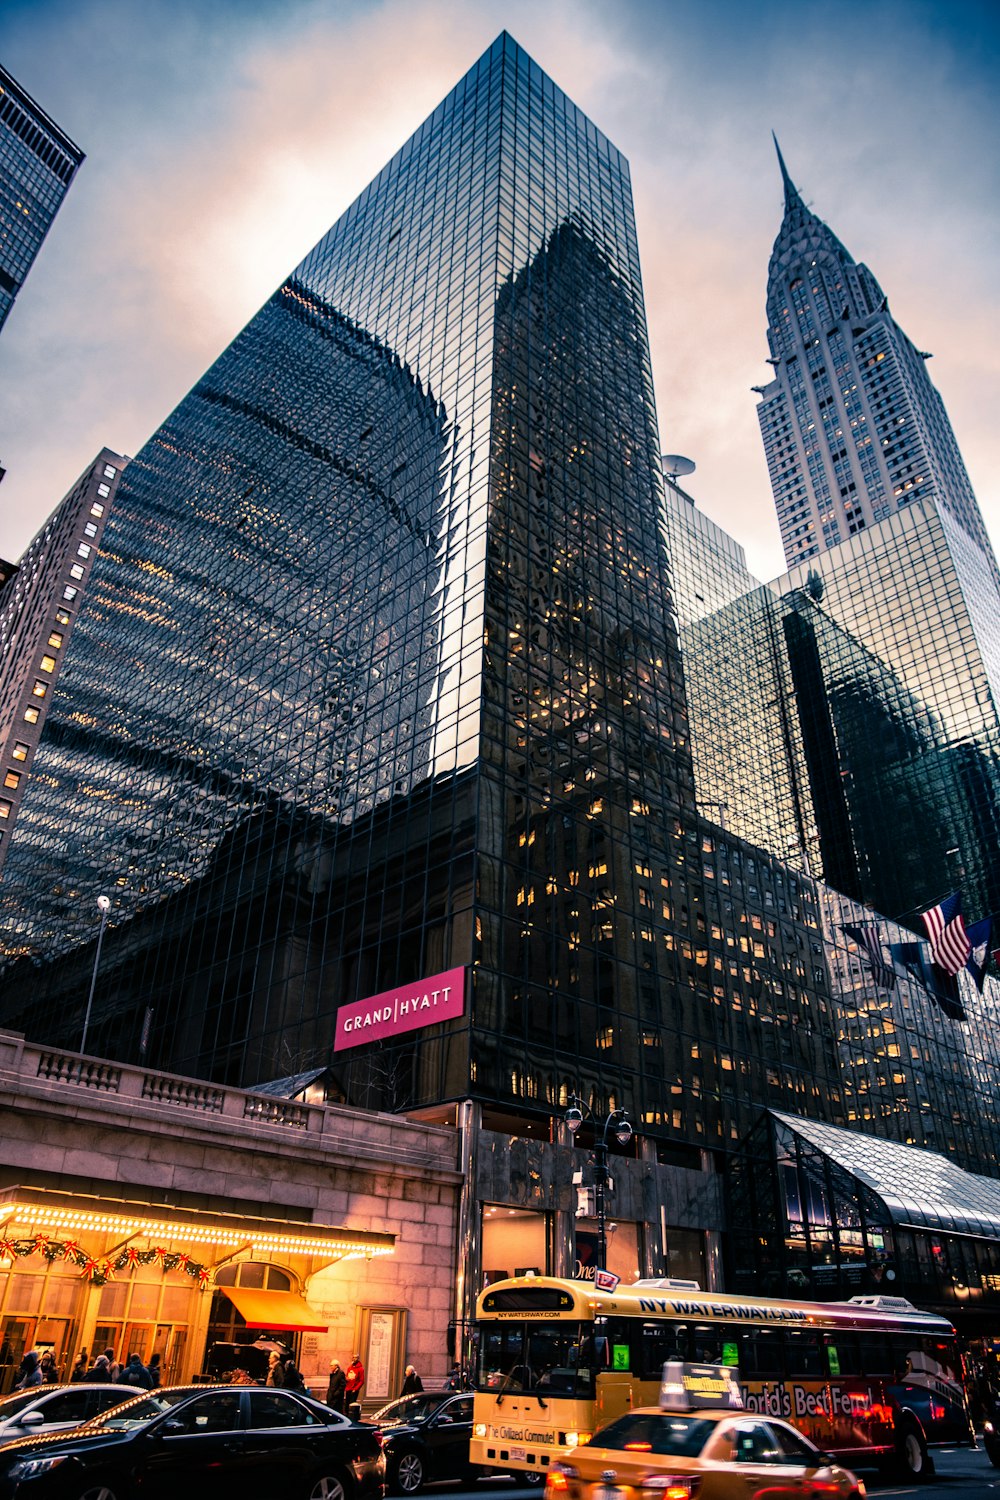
x=408, y=1008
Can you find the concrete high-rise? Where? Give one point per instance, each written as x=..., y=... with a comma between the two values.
x=39, y=606
x=853, y=427
x=38, y=161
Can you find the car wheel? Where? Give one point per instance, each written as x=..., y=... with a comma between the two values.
x=912, y=1459
x=328, y=1487
x=408, y=1478
x=101, y=1489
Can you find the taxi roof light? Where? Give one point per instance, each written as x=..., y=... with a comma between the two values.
x=689, y=1387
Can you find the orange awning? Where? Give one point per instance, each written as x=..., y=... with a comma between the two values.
x=274, y=1309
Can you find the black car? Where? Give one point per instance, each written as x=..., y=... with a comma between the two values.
x=221, y=1443
x=57, y=1408
x=425, y=1438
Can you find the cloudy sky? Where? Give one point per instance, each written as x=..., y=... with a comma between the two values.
x=223, y=137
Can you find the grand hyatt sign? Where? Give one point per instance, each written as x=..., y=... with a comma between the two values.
x=408, y=1008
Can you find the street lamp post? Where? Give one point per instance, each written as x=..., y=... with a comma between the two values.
x=619, y=1121
x=103, y=906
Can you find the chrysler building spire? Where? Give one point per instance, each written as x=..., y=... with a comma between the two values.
x=853, y=428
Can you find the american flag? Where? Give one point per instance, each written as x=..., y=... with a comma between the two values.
x=950, y=946
x=866, y=935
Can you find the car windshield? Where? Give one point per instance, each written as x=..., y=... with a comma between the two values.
x=657, y=1432
x=139, y=1409
x=552, y=1359
x=408, y=1409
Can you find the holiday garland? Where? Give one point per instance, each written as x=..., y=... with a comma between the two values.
x=99, y=1271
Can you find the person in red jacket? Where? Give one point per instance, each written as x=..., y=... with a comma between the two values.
x=355, y=1382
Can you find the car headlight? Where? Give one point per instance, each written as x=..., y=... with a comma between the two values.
x=30, y=1468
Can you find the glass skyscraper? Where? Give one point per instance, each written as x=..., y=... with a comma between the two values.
x=853, y=427
x=38, y=161
x=376, y=677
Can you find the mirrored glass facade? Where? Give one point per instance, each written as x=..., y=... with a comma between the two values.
x=377, y=676
x=846, y=715
x=38, y=161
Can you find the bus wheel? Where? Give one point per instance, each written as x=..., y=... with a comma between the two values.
x=534, y=1478
x=912, y=1459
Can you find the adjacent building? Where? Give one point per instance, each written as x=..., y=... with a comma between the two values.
x=39, y=604
x=854, y=430
x=38, y=161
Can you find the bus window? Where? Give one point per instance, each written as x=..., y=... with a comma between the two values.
x=658, y=1342
x=802, y=1353
x=706, y=1344
x=877, y=1355
x=842, y=1354
x=762, y=1353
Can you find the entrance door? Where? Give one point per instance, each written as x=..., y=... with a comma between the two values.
x=138, y=1339
x=16, y=1335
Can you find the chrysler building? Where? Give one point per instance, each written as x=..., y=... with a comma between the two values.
x=853, y=427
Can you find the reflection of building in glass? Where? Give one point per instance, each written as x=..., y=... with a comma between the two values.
x=255, y=658
x=848, y=710
x=853, y=428
x=38, y=161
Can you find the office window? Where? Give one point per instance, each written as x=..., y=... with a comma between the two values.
x=20, y=751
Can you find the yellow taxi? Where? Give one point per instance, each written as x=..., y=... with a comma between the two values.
x=687, y=1449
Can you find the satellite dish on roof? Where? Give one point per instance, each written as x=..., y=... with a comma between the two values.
x=675, y=466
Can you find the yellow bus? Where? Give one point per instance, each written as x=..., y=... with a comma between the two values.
x=871, y=1380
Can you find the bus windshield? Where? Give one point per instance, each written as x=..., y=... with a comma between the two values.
x=554, y=1359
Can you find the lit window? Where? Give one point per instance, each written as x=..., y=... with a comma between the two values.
x=20, y=751
x=77, y=570
x=83, y=550
x=56, y=639
x=5, y=807
x=109, y=472
x=90, y=529
x=70, y=593
x=40, y=689
x=96, y=509
x=31, y=714
x=48, y=664
x=63, y=616
x=12, y=779
x=104, y=489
